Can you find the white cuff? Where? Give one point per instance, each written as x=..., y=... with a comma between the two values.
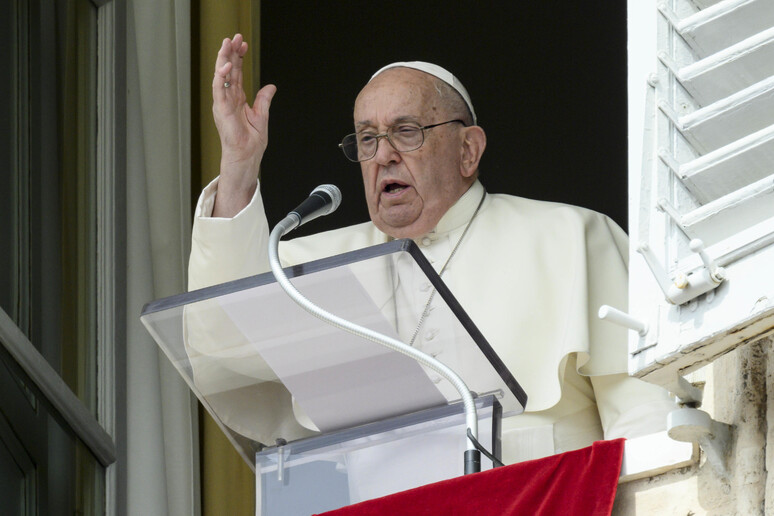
x=207, y=200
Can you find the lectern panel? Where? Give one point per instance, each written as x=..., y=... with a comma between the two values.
x=267, y=370
x=333, y=470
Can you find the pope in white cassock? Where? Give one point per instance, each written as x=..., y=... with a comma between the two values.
x=530, y=274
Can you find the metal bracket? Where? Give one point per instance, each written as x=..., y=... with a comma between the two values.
x=696, y=426
x=685, y=287
x=687, y=394
x=280, y=443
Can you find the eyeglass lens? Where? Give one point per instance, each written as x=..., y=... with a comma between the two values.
x=362, y=146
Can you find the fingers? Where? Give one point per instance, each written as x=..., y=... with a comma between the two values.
x=227, y=79
x=219, y=81
x=224, y=56
x=228, y=94
x=237, y=61
x=238, y=51
x=223, y=67
x=239, y=48
x=228, y=64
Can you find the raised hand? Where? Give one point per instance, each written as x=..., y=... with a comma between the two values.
x=243, y=129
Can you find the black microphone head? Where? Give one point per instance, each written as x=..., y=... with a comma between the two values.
x=333, y=192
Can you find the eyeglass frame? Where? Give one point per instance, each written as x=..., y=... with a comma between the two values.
x=386, y=134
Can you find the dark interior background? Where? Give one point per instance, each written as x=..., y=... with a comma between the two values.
x=547, y=79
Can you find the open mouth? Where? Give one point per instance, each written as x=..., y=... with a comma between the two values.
x=392, y=188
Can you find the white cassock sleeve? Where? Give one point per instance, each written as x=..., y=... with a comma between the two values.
x=236, y=382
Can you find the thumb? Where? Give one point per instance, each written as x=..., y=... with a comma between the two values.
x=263, y=99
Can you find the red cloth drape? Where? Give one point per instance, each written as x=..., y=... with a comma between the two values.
x=581, y=482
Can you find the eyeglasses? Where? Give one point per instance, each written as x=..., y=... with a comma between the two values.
x=404, y=137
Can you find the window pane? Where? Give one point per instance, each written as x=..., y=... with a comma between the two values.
x=47, y=274
x=47, y=265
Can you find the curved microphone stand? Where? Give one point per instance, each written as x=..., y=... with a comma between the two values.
x=472, y=455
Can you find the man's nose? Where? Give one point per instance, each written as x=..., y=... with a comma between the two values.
x=385, y=152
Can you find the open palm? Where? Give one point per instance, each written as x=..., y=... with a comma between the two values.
x=243, y=129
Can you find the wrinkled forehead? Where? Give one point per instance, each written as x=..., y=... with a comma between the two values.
x=398, y=93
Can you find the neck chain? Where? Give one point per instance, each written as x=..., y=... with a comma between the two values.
x=426, y=310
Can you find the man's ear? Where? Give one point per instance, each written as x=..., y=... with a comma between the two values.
x=473, y=145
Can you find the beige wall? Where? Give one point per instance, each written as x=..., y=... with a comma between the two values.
x=228, y=484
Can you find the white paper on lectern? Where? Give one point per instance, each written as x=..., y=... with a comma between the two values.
x=338, y=379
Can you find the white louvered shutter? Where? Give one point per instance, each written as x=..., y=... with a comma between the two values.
x=701, y=141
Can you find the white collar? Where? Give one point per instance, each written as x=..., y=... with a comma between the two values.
x=460, y=212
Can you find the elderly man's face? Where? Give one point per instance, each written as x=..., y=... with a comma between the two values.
x=408, y=193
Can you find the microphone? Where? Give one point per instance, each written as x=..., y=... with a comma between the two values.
x=322, y=201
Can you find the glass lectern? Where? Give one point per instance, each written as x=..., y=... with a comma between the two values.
x=300, y=399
